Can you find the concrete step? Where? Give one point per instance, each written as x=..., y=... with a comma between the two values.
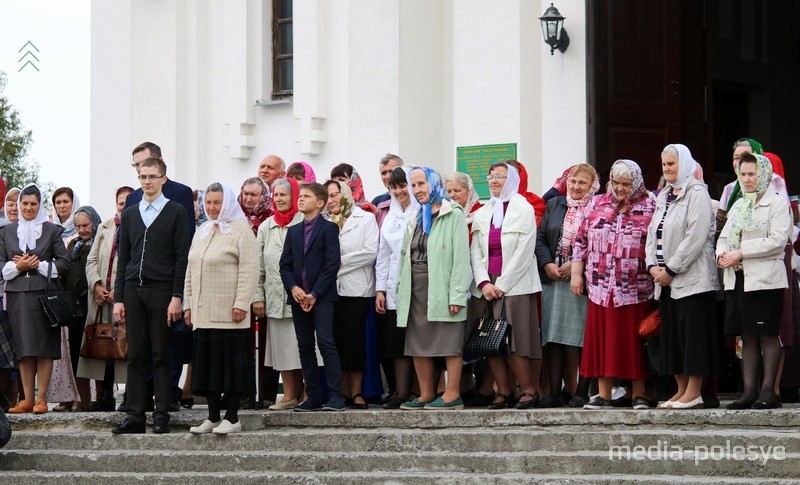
x=346, y=478
x=532, y=438
x=681, y=462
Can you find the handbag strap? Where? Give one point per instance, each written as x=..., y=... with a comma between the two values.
x=99, y=314
x=488, y=314
x=502, y=308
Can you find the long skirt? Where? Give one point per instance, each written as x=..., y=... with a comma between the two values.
x=222, y=362
x=689, y=340
x=350, y=332
x=424, y=338
x=611, y=345
x=281, y=351
x=563, y=315
x=391, y=338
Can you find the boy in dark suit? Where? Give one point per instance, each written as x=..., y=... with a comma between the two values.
x=309, y=265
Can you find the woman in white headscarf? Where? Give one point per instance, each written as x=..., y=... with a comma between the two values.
x=27, y=250
x=391, y=338
x=680, y=258
x=221, y=280
x=505, y=273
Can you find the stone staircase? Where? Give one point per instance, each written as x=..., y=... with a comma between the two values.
x=377, y=446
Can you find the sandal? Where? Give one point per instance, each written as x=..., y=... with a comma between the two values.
x=356, y=405
x=506, y=401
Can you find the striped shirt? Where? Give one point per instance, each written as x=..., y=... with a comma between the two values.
x=660, y=229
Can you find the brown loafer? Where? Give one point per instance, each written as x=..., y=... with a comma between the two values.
x=40, y=407
x=22, y=407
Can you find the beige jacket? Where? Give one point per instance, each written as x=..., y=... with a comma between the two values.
x=222, y=275
x=762, y=248
x=270, y=288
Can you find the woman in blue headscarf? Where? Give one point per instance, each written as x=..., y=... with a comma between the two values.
x=432, y=290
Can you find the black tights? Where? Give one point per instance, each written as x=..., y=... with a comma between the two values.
x=754, y=348
x=403, y=370
x=557, y=355
x=231, y=406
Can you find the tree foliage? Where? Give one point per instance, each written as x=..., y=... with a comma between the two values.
x=14, y=143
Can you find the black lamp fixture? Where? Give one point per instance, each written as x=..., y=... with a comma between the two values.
x=553, y=30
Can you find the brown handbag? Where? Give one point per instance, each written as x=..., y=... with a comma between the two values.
x=105, y=341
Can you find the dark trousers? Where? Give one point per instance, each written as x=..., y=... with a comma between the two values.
x=148, y=335
x=320, y=321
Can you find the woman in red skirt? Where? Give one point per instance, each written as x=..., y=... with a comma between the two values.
x=610, y=253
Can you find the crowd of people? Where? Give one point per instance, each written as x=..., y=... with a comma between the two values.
x=336, y=291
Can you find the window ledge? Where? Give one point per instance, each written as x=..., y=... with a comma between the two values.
x=273, y=102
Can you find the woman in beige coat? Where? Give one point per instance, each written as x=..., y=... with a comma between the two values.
x=221, y=279
x=101, y=272
x=281, y=351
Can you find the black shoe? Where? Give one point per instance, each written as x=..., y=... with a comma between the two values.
x=621, y=402
x=391, y=395
x=336, y=404
x=307, y=406
x=187, y=402
x=394, y=402
x=774, y=403
x=640, y=403
x=530, y=403
x=551, y=402
x=479, y=400
x=356, y=405
x=599, y=403
x=129, y=426
x=506, y=401
x=710, y=401
x=578, y=401
x=104, y=403
x=565, y=395
x=161, y=426
x=123, y=408
x=741, y=404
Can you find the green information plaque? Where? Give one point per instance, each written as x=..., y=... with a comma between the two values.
x=476, y=160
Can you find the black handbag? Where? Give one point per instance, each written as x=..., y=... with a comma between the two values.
x=491, y=336
x=55, y=307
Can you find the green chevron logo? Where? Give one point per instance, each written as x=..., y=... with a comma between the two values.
x=28, y=58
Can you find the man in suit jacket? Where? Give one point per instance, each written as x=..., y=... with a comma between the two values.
x=308, y=267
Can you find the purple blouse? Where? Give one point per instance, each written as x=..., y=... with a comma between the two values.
x=495, y=251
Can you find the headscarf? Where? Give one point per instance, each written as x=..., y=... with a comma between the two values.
x=230, y=211
x=284, y=218
x=94, y=218
x=508, y=190
x=741, y=219
x=395, y=208
x=5, y=201
x=687, y=166
x=539, y=205
x=777, y=164
x=473, y=198
x=69, y=224
x=561, y=182
x=638, y=192
x=356, y=187
x=574, y=216
x=29, y=231
x=736, y=193
x=346, y=204
x=309, y=175
x=262, y=209
x=201, y=209
x=436, y=195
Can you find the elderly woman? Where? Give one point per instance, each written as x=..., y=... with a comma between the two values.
x=355, y=282
x=504, y=237
x=74, y=281
x=680, y=258
x=281, y=352
x=101, y=273
x=434, y=278
x=391, y=338
x=254, y=199
x=751, y=248
x=610, y=252
x=301, y=172
x=220, y=282
x=461, y=190
x=563, y=313
x=30, y=249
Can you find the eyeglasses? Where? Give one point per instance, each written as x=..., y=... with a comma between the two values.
x=145, y=178
x=496, y=177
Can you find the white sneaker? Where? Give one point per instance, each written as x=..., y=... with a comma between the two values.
x=204, y=428
x=225, y=427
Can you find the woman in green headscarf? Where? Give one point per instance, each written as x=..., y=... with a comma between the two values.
x=733, y=191
x=751, y=249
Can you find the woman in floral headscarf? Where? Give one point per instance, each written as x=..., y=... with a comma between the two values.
x=563, y=313
x=344, y=172
x=680, y=258
x=434, y=278
x=254, y=199
x=733, y=192
x=751, y=249
x=608, y=259
x=355, y=282
x=301, y=172
x=462, y=191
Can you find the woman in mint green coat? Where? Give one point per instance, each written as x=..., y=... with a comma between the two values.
x=432, y=291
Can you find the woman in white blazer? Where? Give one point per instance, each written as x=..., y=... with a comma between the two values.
x=505, y=273
x=391, y=338
x=355, y=282
x=751, y=250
